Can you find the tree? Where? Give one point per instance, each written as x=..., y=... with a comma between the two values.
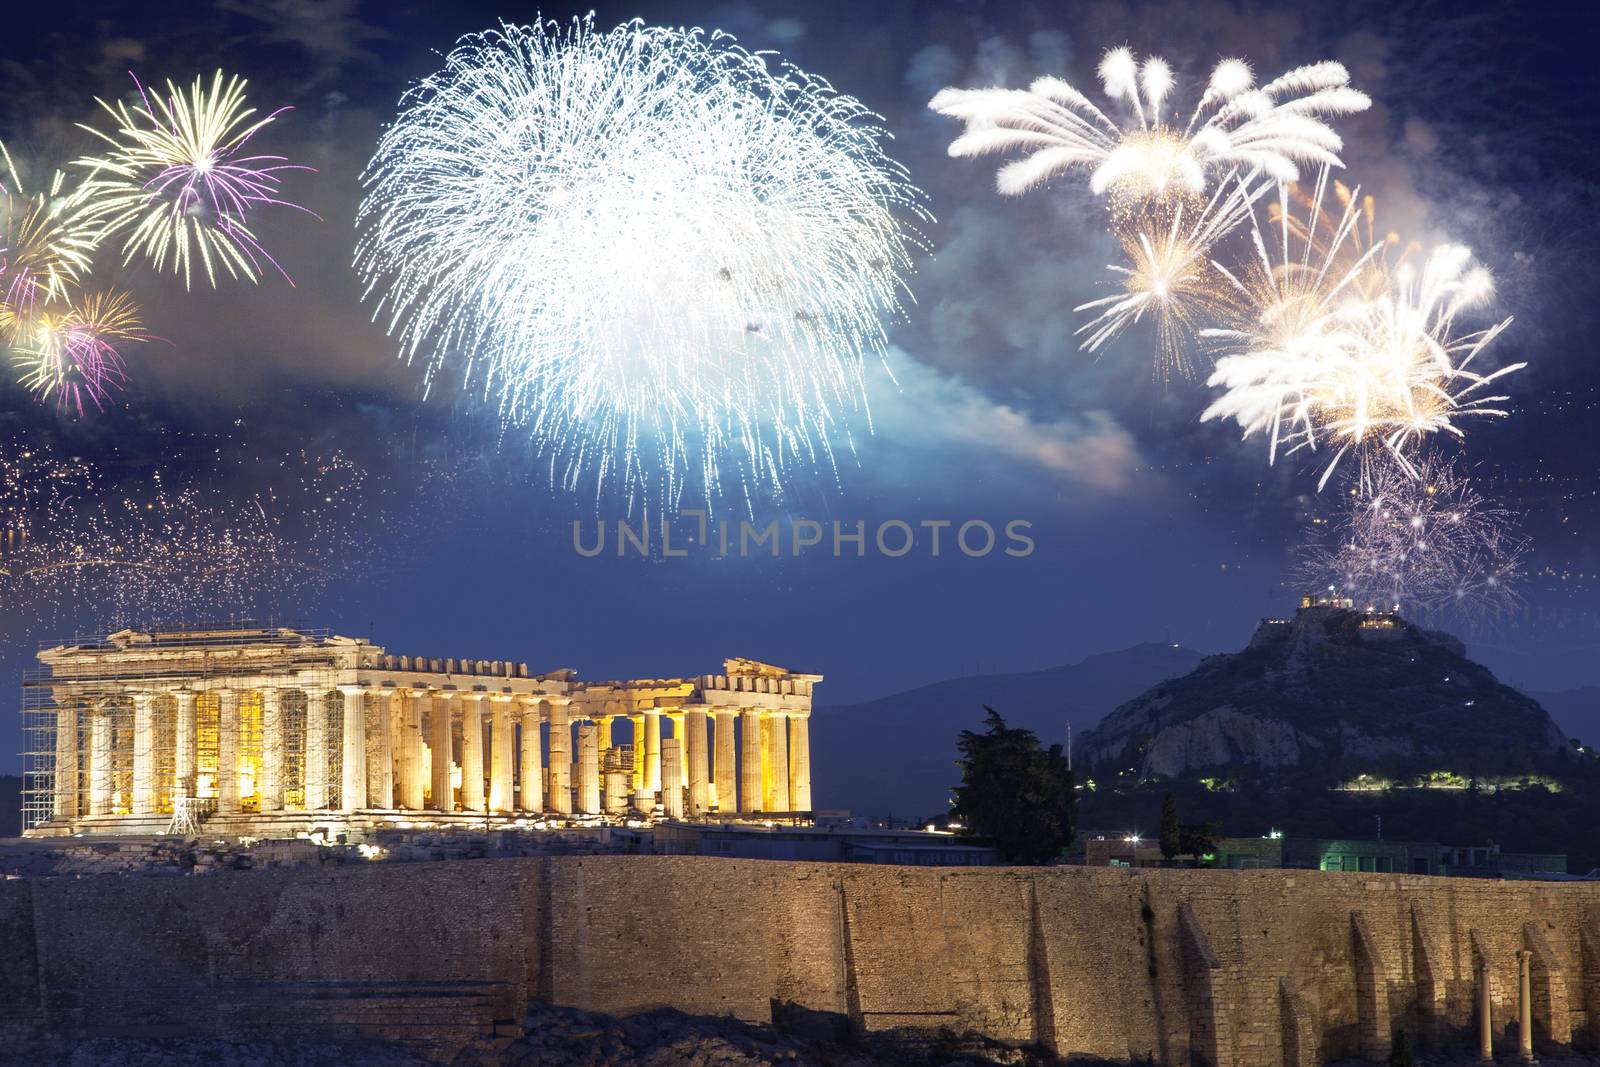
x=1170, y=844
x=1198, y=839
x=1014, y=792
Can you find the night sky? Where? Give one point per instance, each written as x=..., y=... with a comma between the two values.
x=1149, y=526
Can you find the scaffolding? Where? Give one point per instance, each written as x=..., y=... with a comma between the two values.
x=92, y=687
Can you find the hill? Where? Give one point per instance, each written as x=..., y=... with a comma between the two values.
x=897, y=753
x=1326, y=696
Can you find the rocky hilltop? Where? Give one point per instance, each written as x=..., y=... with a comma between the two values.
x=1329, y=694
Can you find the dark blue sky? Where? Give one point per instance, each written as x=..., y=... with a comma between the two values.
x=1147, y=524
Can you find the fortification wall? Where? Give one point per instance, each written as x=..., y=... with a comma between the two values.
x=1246, y=969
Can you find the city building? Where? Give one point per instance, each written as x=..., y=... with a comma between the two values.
x=1306, y=853
x=270, y=732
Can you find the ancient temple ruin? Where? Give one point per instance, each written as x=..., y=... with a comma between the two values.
x=267, y=732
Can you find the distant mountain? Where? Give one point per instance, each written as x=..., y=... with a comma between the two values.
x=897, y=754
x=1576, y=711
x=1327, y=695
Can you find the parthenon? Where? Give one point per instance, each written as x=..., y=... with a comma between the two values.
x=263, y=730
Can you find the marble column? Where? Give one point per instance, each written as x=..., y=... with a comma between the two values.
x=652, y=751
x=272, y=750
x=353, y=778
x=315, y=760
x=380, y=753
x=531, y=745
x=602, y=723
x=672, y=773
x=100, y=760
x=588, y=768
x=615, y=798
x=800, y=763
x=502, y=758
x=750, y=761
x=414, y=791
x=679, y=731
x=144, y=753
x=472, y=798
x=559, y=798
x=66, y=769
x=726, y=767
x=637, y=722
x=1485, y=1014
x=185, y=752
x=228, y=752
x=442, y=746
x=776, y=728
x=694, y=726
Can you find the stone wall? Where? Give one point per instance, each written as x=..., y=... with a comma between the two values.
x=1230, y=968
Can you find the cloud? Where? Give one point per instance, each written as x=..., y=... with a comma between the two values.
x=938, y=419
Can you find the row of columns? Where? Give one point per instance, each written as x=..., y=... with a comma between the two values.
x=772, y=774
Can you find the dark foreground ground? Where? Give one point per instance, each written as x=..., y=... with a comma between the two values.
x=557, y=1037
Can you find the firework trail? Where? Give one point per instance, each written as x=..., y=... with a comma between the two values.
x=44, y=253
x=176, y=183
x=1335, y=345
x=1420, y=540
x=664, y=260
x=1236, y=125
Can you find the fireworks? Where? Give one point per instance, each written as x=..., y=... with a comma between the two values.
x=44, y=253
x=176, y=180
x=1272, y=129
x=1422, y=540
x=71, y=353
x=184, y=551
x=1334, y=345
x=651, y=251
x=1171, y=278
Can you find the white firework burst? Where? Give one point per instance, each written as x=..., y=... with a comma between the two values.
x=1420, y=539
x=1272, y=129
x=655, y=253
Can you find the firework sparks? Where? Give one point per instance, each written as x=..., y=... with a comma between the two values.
x=654, y=253
x=44, y=252
x=72, y=353
x=1271, y=129
x=176, y=180
x=1171, y=278
x=1420, y=539
x=1335, y=345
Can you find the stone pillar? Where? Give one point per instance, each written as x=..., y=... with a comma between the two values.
x=315, y=761
x=588, y=768
x=725, y=768
x=603, y=724
x=272, y=750
x=184, y=769
x=777, y=735
x=228, y=752
x=616, y=792
x=472, y=797
x=444, y=791
x=800, y=762
x=532, y=770
x=559, y=793
x=144, y=753
x=353, y=779
x=672, y=774
x=694, y=726
x=380, y=769
x=750, y=761
x=637, y=722
x=502, y=758
x=100, y=761
x=652, y=751
x=1485, y=1014
x=66, y=769
x=680, y=732
x=1524, y=1005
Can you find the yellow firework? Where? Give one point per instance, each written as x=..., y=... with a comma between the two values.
x=175, y=182
x=44, y=250
x=69, y=351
